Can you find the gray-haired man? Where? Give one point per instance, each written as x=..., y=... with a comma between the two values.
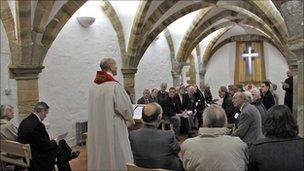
x=213, y=149
x=249, y=123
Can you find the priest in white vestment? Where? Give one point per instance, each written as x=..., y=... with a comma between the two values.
x=110, y=111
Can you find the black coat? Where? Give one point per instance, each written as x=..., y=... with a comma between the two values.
x=229, y=108
x=184, y=104
x=32, y=131
x=161, y=98
x=273, y=153
x=268, y=100
x=208, y=96
x=199, y=100
x=288, y=99
x=171, y=107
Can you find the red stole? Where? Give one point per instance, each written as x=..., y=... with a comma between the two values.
x=102, y=77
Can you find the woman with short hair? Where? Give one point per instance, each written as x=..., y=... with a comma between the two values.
x=8, y=130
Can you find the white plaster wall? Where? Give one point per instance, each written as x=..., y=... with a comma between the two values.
x=277, y=67
x=179, y=28
x=154, y=68
x=73, y=59
x=70, y=67
x=220, y=68
x=7, y=83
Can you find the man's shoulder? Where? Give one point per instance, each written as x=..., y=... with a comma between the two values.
x=30, y=120
x=249, y=107
x=145, y=131
x=233, y=140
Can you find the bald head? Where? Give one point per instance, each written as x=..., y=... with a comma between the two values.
x=152, y=112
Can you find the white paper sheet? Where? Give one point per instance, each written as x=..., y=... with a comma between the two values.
x=62, y=136
x=137, y=114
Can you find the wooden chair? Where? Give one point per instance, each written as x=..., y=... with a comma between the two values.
x=133, y=167
x=164, y=123
x=14, y=153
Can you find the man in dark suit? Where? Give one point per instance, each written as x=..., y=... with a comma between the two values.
x=171, y=109
x=154, y=148
x=288, y=87
x=227, y=104
x=44, y=151
x=267, y=97
x=248, y=124
x=183, y=104
x=162, y=95
x=146, y=98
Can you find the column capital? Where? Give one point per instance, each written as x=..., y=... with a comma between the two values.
x=128, y=71
x=25, y=72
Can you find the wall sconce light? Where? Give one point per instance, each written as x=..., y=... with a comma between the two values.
x=85, y=21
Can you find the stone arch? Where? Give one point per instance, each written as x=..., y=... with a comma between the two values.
x=8, y=20
x=248, y=37
x=151, y=36
x=136, y=33
x=112, y=15
x=59, y=20
x=176, y=67
x=158, y=13
x=249, y=7
x=216, y=37
x=9, y=26
x=193, y=32
x=273, y=16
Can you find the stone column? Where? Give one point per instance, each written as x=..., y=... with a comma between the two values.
x=129, y=81
x=292, y=12
x=176, y=76
x=298, y=89
x=300, y=94
x=27, y=87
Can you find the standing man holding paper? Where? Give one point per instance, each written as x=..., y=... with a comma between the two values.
x=110, y=112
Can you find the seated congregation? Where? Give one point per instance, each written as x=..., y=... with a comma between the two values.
x=247, y=130
x=241, y=133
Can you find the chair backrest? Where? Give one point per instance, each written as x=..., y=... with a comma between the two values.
x=133, y=167
x=14, y=153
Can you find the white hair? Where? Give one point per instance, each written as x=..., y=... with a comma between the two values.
x=214, y=116
x=248, y=95
x=256, y=92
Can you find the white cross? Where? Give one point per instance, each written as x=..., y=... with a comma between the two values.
x=249, y=57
